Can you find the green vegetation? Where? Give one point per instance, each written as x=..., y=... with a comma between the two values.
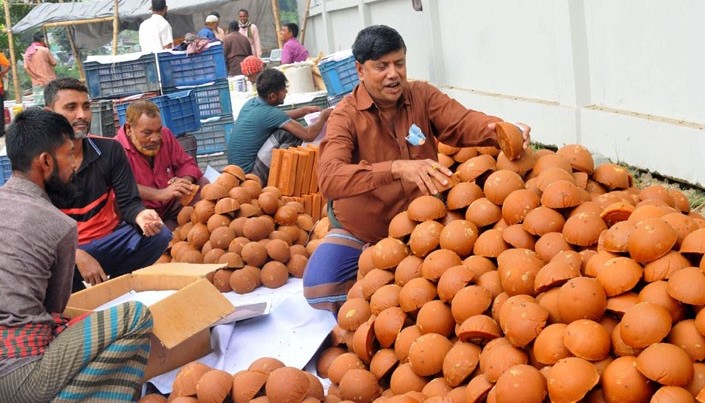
x=288, y=12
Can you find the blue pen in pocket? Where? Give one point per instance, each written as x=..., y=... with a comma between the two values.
x=416, y=136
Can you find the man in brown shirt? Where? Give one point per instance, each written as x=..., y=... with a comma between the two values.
x=236, y=47
x=379, y=154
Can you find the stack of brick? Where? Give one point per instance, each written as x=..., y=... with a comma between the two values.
x=293, y=171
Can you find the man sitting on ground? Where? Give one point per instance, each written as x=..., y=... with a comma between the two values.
x=162, y=169
x=102, y=356
x=116, y=234
x=260, y=119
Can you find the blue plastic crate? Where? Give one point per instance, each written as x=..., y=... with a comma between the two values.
x=179, y=111
x=340, y=76
x=213, y=136
x=213, y=98
x=178, y=69
x=111, y=80
x=5, y=169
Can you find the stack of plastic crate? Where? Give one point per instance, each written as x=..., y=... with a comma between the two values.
x=205, y=75
x=339, y=74
x=109, y=78
x=178, y=110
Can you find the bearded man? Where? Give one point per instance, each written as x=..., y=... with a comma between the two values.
x=116, y=233
x=164, y=172
x=43, y=356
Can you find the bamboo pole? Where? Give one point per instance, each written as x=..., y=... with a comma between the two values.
x=13, y=58
x=116, y=26
x=277, y=20
x=76, y=53
x=77, y=22
x=74, y=50
x=304, y=21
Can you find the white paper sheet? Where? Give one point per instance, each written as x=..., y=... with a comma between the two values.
x=292, y=333
x=211, y=174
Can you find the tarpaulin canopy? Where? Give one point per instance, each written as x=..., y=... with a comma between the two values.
x=184, y=16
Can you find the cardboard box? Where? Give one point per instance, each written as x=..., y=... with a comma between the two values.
x=182, y=321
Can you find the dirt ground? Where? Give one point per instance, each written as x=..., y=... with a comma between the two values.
x=695, y=194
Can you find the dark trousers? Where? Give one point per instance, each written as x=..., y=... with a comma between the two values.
x=124, y=250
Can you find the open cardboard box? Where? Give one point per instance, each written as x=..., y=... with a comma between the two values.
x=182, y=320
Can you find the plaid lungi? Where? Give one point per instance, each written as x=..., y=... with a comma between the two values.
x=100, y=358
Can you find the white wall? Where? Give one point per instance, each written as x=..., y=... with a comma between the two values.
x=624, y=78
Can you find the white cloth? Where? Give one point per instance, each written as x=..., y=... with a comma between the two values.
x=155, y=33
x=253, y=38
x=292, y=331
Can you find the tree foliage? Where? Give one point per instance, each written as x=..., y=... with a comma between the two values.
x=20, y=42
x=288, y=12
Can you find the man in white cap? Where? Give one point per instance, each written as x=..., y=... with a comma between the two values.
x=208, y=31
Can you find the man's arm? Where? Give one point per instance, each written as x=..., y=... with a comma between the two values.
x=186, y=166
x=175, y=190
x=302, y=111
x=287, y=54
x=255, y=40
x=50, y=58
x=91, y=270
x=4, y=65
x=311, y=132
x=168, y=37
x=59, y=286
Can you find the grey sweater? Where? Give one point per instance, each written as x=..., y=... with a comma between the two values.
x=37, y=257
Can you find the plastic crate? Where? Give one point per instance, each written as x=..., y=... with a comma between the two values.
x=178, y=69
x=127, y=100
x=217, y=160
x=340, y=76
x=179, y=111
x=102, y=122
x=319, y=100
x=188, y=142
x=213, y=136
x=5, y=169
x=111, y=80
x=213, y=98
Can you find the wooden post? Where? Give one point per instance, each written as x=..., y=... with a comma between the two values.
x=116, y=26
x=74, y=50
x=13, y=58
x=302, y=31
x=76, y=53
x=88, y=21
x=277, y=20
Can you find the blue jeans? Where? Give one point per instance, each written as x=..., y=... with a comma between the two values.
x=124, y=250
